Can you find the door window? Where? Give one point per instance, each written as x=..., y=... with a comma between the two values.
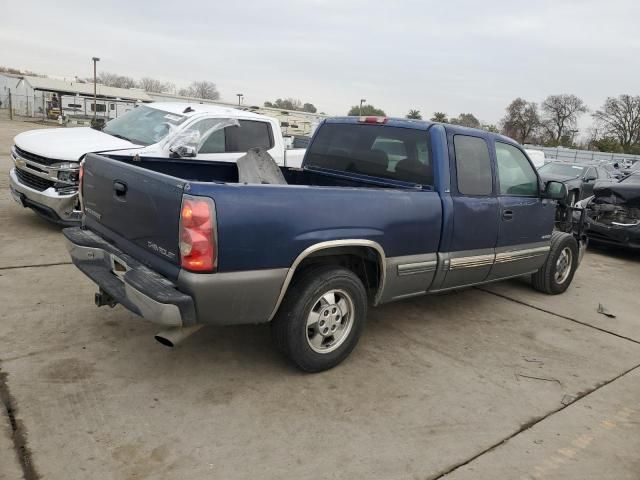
x=473, y=165
x=515, y=173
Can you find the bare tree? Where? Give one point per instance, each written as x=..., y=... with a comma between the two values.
x=620, y=118
x=115, y=80
x=561, y=114
x=201, y=89
x=521, y=120
x=153, y=85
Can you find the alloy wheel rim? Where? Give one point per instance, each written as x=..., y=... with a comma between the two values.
x=329, y=321
x=563, y=265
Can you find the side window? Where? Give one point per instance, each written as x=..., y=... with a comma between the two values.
x=213, y=139
x=515, y=173
x=473, y=165
x=248, y=135
x=590, y=173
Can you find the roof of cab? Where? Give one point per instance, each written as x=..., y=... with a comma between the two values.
x=425, y=125
x=202, y=108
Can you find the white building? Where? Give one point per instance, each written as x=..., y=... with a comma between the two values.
x=49, y=97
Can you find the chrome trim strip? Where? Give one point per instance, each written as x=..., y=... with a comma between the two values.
x=418, y=267
x=523, y=254
x=472, y=261
x=332, y=244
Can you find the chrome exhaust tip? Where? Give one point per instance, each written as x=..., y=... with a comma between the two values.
x=172, y=337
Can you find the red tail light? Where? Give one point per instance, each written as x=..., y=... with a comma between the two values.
x=80, y=177
x=373, y=119
x=198, y=239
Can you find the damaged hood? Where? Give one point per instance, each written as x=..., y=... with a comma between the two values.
x=627, y=193
x=69, y=143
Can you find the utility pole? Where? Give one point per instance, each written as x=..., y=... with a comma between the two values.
x=10, y=106
x=95, y=88
x=240, y=97
x=362, y=100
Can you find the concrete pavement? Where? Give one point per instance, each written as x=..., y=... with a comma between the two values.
x=492, y=383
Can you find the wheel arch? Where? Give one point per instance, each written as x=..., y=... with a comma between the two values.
x=328, y=252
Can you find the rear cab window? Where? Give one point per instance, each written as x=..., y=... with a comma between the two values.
x=381, y=151
x=473, y=166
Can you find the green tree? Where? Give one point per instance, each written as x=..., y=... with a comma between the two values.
x=369, y=110
x=607, y=144
x=439, y=117
x=414, y=114
x=466, y=120
x=309, y=107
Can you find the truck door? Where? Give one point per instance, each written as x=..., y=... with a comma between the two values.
x=526, y=220
x=475, y=212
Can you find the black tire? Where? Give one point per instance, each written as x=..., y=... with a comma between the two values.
x=546, y=279
x=289, y=327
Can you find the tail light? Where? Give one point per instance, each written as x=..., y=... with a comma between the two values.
x=80, y=178
x=373, y=119
x=198, y=236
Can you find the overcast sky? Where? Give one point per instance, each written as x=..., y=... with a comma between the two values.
x=452, y=56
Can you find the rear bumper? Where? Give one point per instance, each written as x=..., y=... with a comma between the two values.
x=230, y=298
x=59, y=208
x=140, y=290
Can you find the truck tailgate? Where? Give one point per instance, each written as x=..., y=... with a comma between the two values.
x=128, y=203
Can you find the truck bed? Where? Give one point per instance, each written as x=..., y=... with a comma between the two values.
x=258, y=226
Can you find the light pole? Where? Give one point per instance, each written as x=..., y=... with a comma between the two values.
x=362, y=100
x=240, y=97
x=95, y=88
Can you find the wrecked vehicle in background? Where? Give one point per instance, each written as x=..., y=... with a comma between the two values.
x=613, y=213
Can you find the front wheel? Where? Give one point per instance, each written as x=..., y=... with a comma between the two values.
x=556, y=274
x=321, y=318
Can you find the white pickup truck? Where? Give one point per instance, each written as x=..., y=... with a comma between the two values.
x=45, y=174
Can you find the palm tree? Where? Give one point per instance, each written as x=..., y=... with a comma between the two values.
x=439, y=117
x=414, y=114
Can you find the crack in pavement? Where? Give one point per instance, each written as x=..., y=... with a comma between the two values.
x=521, y=302
x=530, y=425
x=19, y=434
x=35, y=265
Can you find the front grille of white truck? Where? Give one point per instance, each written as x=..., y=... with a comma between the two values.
x=33, y=181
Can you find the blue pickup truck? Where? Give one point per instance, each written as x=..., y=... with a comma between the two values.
x=381, y=210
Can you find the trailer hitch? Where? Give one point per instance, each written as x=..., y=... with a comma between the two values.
x=102, y=298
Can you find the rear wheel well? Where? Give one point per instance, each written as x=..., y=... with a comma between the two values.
x=365, y=262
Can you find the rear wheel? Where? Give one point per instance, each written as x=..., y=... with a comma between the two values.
x=556, y=274
x=321, y=318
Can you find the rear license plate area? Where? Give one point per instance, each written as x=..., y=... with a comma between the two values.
x=118, y=267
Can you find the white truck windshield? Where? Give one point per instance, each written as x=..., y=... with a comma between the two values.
x=143, y=125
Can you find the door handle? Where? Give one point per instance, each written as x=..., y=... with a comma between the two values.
x=507, y=214
x=120, y=188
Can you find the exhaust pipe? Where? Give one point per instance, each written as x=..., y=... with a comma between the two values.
x=176, y=335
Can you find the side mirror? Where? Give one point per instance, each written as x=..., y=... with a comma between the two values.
x=183, y=151
x=590, y=178
x=555, y=190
